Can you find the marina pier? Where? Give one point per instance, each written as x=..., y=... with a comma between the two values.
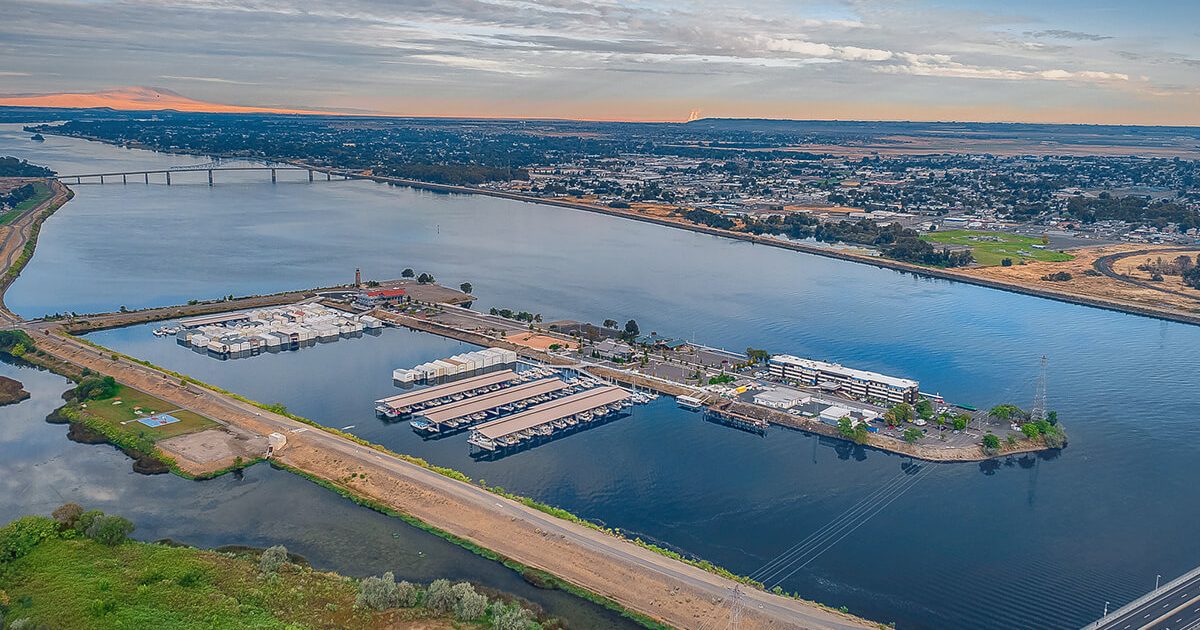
x=546, y=419
x=470, y=411
x=405, y=404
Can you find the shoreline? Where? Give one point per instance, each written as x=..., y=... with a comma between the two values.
x=875, y=261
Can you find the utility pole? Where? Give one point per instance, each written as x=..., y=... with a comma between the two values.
x=1038, y=413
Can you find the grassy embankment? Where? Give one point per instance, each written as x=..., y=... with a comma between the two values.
x=59, y=578
x=457, y=475
x=990, y=248
x=43, y=192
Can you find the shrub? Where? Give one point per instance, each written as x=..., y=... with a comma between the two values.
x=19, y=537
x=67, y=514
x=96, y=388
x=440, y=596
x=85, y=521
x=109, y=530
x=1030, y=430
x=272, y=559
x=510, y=617
x=407, y=595
x=379, y=593
x=468, y=605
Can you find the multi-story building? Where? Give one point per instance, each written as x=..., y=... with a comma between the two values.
x=856, y=383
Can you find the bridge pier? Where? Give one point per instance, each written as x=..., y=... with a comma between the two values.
x=101, y=179
x=272, y=176
x=147, y=177
x=168, y=178
x=123, y=179
x=310, y=175
x=328, y=176
x=210, y=181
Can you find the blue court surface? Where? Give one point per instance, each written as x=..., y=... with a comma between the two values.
x=158, y=420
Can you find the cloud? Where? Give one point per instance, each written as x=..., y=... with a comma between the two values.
x=945, y=66
x=1072, y=35
x=204, y=79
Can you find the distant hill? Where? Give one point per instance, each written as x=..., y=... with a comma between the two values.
x=135, y=98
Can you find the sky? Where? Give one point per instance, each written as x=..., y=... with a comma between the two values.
x=1103, y=61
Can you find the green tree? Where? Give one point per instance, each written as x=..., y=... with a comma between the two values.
x=382, y=593
x=465, y=287
x=849, y=430
x=439, y=597
x=110, y=530
x=1006, y=412
x=1031, y=430
x=425, y=278
x=610, y=323
x=925, y=409
x=898, y=414
x=407, y=273
x=991, y=441
x=468, y=605
x=631, y=328
x=912, y=434
x=961, y=421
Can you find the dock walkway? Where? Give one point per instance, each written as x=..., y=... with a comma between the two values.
x=455, y=414
x=498, y=433
x=404, y=402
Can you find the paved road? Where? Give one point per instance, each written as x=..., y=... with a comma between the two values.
x=1175, y=607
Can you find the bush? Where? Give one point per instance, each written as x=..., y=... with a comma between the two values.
x=96, y=388
x=1030, y=430
x=109, y=530
x=440, y=597
x=19, y=537
x=67, y=514
x=272, y=559
x=510, y=617
x=382, y=593
x=468, y=605
x=85, y=521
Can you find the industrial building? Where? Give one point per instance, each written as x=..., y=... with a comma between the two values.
x=859, y=384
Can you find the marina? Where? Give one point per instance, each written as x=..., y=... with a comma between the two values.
x=456, y=365
x=547, y=419
x=405, y=404
x=471, y=411
x=249, y=333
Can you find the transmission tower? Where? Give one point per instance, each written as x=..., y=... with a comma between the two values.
x=1039, y=395
x=735, y=611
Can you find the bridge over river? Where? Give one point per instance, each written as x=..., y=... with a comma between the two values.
x=206, y=168
x=1172, y=606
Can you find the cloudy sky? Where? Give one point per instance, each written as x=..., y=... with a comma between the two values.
x=1020, y=60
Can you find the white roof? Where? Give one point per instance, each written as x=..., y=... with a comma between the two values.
x=841, y=370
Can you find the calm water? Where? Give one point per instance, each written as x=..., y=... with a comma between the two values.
x=40, y=470
x=1029, y=543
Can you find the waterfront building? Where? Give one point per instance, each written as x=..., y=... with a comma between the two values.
x=859, y=384
x=371, y=298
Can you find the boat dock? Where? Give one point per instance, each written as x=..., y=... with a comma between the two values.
x=404, y=404
x=459, y=415
x=546, y=419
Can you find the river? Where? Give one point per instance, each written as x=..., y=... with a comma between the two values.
x=1030, y=542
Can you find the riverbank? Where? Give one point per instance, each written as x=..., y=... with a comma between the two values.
x=11, y=391
x=59, y=577
x=966, y=275
x=1019, y=285
x=633, y=576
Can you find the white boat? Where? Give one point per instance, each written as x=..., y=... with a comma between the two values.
x=688, y=402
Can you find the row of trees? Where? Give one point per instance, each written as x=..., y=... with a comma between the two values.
x=15, y=167
x=521, y=316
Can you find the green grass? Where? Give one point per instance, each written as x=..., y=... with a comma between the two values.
x=992, y=247
x=43, y=193
x=123, y=417
x=78, y=583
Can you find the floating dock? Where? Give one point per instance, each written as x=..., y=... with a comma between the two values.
x=471, y=411
x=404, y=404
x=549, y=418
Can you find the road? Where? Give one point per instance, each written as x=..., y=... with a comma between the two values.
x=664, y=589
x=1175, y=606
x=655, y=585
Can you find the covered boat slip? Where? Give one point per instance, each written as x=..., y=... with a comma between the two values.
x=436, y=392
x=464, y=409
x=487, y=434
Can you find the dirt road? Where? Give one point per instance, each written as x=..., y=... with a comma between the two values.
x=673, y=592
